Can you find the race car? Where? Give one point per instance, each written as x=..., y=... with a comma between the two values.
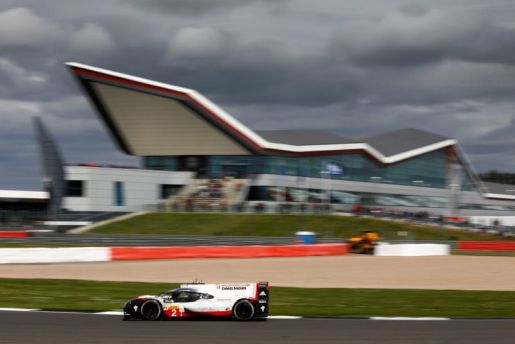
x=240, y=301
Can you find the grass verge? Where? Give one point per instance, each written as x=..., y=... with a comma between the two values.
x=484, y=253
x=280, y=225
x=91, y=296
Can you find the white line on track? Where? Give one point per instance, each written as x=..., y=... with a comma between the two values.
x=113, y=312
x=281, y=317
x=409, y=318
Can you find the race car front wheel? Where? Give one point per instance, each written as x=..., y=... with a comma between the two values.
x=243, y=310
x=151, y=310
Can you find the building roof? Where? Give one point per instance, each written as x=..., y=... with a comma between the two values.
x=148, y=118
x=497, y=190
x=302, y=137
x=399, y=141
x=22, y=194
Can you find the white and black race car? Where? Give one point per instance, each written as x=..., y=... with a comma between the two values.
x=241, y=301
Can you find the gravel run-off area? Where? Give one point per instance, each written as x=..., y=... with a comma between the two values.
x=350, y=271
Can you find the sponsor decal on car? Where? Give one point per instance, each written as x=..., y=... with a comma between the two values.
x=234, y=288
x=174, y=311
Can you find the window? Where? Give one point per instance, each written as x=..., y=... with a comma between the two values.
x=119, y=194
x=167, y=190
x=74, y=188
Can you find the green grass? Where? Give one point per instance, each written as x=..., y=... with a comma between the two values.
x=76, y=295
x=391, y=302
x=483, y=253
x=90, y=296
x=279, y=225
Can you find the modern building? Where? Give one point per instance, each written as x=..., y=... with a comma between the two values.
x=181, y=137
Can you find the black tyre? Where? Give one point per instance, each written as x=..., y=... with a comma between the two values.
x=243, y=310
x=151, y=310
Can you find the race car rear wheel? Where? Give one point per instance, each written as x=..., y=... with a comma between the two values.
x=151, y=310
x=243, y=310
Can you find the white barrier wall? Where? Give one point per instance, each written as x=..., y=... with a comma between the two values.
x=54, y=255
x=491, y=220
x=411, y=250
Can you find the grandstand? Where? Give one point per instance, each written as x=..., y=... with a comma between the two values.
x=22, y=208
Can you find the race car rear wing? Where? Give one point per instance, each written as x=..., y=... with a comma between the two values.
x=262, y=291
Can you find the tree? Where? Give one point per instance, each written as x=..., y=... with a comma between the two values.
x=498, y=177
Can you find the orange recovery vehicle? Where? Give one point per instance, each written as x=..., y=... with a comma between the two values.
x=364, y=242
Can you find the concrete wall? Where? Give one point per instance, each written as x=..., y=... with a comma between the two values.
x=141, y=187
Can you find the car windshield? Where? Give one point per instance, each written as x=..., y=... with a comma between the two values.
x=183, y=295
x=186, y=295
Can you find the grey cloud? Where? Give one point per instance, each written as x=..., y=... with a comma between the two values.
x=441, y=83
x=20, y=27
x=91, y=38
x=195, y=7
x=266, y=71
x=501, y=140
x=438, y=69
x=415, y=37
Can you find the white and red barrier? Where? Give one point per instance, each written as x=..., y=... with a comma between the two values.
x=103, y=254
x=412, y=250
x=486, y=245
x=54, y=255
x=14, y=234
x=254, y=251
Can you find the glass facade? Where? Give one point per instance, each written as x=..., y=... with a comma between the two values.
x=466, y=182
x=165, y=163
x=287, y=194
x=428, y=170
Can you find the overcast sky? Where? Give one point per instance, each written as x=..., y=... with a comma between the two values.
x=351, y=67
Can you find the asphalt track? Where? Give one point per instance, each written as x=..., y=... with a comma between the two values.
x=46, y=328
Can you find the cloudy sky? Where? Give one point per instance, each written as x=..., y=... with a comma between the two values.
x=352, y=67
